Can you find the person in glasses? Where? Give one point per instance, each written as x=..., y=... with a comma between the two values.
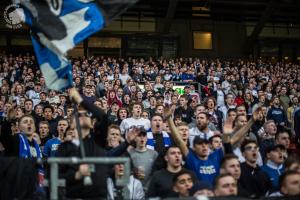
x=253, y=179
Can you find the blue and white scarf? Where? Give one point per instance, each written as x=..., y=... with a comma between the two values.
x=24, y=152
x=151, y=142
x=24, y=147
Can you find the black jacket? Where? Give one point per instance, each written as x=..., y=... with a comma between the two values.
x=94, y=145
x=254, y=180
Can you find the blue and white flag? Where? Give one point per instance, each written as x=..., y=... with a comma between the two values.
x=59, y=25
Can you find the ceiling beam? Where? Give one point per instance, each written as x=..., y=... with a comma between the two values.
x=259, y=26
x=169, y=16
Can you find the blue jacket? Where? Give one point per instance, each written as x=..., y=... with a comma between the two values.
x=274, y=173
x=277, y=114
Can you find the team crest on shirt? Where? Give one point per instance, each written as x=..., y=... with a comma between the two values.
x=207, y=169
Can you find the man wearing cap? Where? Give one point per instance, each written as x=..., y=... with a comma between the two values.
x=274, y=165
x=142, y=157
x=200, y=160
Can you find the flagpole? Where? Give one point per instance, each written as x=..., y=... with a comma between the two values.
x=87, y=179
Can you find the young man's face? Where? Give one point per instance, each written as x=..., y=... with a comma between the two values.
x=62, y=126
x=156, y=122
x=182, y=101
x=28, y=106
x=174, y=157
x=202, y=150
x=271, y=128
x=136, y=110
x=291, y=185
x=184, y=132
x=141, y=141
x=216, y=143
x=276, y=156
x=48, y=113
x=226, y=186
x=44, y=130
x=27, y=125
x=183, y=184
x=251, y=152
x=284, y=139
x=233, y=167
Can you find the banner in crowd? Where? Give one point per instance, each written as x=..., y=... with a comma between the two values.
x=59, y=25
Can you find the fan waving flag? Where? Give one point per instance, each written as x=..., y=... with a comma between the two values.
x=59, y=25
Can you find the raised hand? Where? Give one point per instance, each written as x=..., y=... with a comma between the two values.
x=228, y=127
x=75, y=96
x=131, y=135
x=168, y=111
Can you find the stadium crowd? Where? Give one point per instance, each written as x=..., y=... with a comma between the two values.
x=237, y=136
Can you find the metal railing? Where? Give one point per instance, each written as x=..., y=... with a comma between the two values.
x=54, y=179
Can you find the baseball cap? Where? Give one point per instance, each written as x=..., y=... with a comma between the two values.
x=199, y=140
x=274, y=147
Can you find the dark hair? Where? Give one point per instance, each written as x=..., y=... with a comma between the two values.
x=184, y=96
x=231, y=110
x=182, y=172
x=226, y=158
x=204, y=113
x=48, y=106
x=282, y=132
x=214, y=136
x=44, y=122
x=245, y=143
x=28, y=100
x=157, y=115
x=284, y=176
x=218, y=178
x=170, y=147
x=291, y=160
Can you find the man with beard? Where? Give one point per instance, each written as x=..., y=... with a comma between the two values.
x=135, y=120
x=253, y=178
x=204, y=164
x=201, y=130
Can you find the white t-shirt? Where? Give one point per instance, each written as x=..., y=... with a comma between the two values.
x=196, y=132
x=130, y=122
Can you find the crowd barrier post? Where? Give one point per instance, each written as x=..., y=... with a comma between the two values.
x=54, y=179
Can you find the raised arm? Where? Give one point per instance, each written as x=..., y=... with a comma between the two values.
x=174, y=132
x=101, y=125
x=239, y=134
